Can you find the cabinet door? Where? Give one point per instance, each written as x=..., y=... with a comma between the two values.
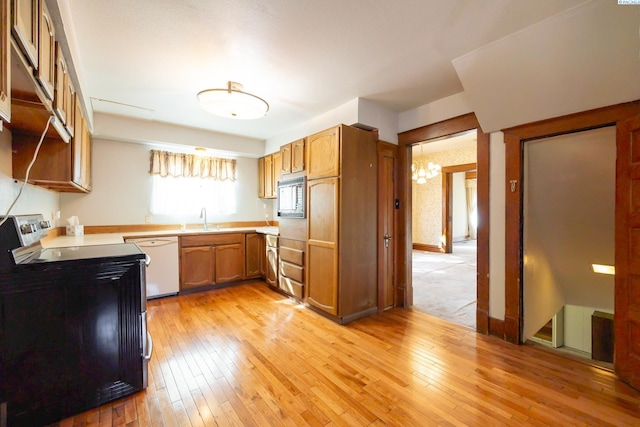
x=81, y=150
x=297, y=156
x=323, y=154
x=277, y=171
x=322, y=244
x=24, y=27
x=70, y=100
x=268, y=177
x=60, y=101
x=5, y=66
x=46, y=53
x=285, y=156
x=261, y=177
x=271, y=275
x=254, y=246
x=229, y=263
x=197, y=266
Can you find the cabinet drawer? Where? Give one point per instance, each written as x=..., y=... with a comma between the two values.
x=291, y=287
x=293, y=256
x=272, y=240
x=292, y=271
x=211, y=239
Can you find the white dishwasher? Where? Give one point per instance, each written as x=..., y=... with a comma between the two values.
x=162, y=271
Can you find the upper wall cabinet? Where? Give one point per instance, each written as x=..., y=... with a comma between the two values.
x=40, y=87
x=5, y=66
x=46, y=53
x=269, y=168
x=261, y=177
x=82, y=150
x=323, y=150
x=285, y=157
x=25, y=19
x=297, y=156
x=292, y=156
x=63, y=100
x=60, y=166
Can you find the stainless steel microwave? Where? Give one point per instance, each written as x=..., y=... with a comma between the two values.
x=291, y=197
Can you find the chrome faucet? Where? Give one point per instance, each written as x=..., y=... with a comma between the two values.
x=203, y=215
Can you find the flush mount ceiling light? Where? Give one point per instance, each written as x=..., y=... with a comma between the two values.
x=232, y=102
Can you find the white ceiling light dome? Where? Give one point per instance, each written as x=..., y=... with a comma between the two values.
x=233, y=102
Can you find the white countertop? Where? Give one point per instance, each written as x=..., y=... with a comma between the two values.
x=114, y=238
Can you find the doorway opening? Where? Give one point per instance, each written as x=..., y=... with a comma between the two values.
x=569, y=220
x=444, y=227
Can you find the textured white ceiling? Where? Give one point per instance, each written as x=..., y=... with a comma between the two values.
x=149, y=58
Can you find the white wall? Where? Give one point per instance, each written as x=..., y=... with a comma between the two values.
x=459, y=207
x=437, y=111
x=34, y=200
x=122, y=189
x=580, y=59
x=358, y=111
x=118, y=128
x=346, y=113
x=497, y=187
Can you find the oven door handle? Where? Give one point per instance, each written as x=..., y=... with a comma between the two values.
x=149, y=347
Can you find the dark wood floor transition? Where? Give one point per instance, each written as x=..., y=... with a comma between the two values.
x=245, y=355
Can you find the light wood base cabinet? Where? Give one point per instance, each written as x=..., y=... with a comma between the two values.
x=342, y=223
x=197, y=266
x=291, y=267
x=255, y=255
x=271, y=275
x=209, y=259
x=230, y=262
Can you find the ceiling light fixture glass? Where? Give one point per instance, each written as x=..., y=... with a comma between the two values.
x=233, y=102
x=419, y=173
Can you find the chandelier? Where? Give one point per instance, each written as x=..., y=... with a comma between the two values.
x=232, y=102
x=420, y=173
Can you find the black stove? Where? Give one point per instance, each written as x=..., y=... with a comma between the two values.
x=20, y=237
x=73, y=329
x=20, y=246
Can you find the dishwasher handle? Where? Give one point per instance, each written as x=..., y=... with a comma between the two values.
x=153, y=243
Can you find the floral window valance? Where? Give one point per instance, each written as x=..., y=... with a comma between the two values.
x=165, y=163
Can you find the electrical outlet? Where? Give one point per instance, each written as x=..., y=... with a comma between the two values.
x=147, y=219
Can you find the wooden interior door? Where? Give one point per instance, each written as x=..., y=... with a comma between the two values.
x=627, y=258
x=387, y=160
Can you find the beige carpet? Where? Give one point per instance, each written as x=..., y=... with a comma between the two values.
x=444, y=285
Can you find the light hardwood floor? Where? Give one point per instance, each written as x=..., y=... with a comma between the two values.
x=245, y=355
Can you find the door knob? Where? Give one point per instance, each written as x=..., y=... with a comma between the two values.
x=387, y=239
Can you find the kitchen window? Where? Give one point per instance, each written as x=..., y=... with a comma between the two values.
x=182, y=184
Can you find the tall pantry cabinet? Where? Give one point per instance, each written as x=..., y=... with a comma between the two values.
x=341, y=215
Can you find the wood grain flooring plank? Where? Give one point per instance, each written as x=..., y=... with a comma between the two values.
x=247, y=356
